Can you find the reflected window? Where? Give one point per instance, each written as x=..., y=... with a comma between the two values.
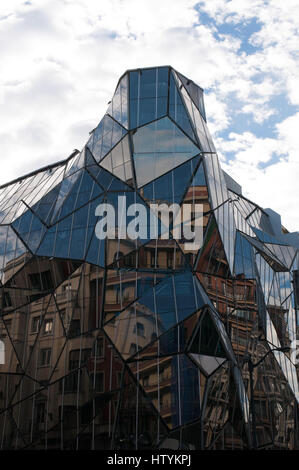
x=40, y=412
x=6, y=300
x=153, y=336
x=35, y=322
x=133, y=348
x=74, y=328
x=48, y=326
x=97, y=382
x=98, y=348
x=139, y=329
x=45, y=357
x=41, y=281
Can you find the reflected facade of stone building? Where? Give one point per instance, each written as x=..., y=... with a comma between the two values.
x=144, y=344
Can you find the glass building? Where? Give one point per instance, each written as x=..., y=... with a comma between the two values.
x=144, y=344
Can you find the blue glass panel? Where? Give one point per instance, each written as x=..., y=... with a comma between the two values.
x=105, y=179
x=173, y=341
x=207, y=340
x=30, y=229
x=243, y=258
x=195, y=92
x=119, y=105
x=158, y=148
x=199, y=177
x=185, y=386
x=172, y=186
x=96, y=252
x=177, y=109
x=70, y=237
x=84, y=189
x=44, y=207
x=148, y=95
x=105, y=137
x=176, y=299
x=65, y=188
x=265, y=237
x=188, y=297
x=11, y=249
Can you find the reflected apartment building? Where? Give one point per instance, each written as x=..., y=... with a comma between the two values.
x=144, y=344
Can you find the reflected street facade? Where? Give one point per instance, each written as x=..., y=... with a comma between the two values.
x=145, y=344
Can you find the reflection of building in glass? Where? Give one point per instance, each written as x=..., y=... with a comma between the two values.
x=141, y=343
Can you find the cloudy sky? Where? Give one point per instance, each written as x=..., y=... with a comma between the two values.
x=60, y=61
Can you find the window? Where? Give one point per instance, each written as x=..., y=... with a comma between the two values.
x=48, y=326
x=169, y=259
x=139, y=329
x=74, y=328
x=68, y=415
x=6, y=329
x=98, y=347
x=77, y=358
x=145, y=381
x=153, y=336
x=40, y=412
x=118, y=379
x=45, y=357
x=97, y=382
x=6, y=300
x=35, y=322
x=41, y=281
x=133, y=348
x=154, y=262
x=71, y=383
x=66, y=287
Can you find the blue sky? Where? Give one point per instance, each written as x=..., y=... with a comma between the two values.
x=60, y=61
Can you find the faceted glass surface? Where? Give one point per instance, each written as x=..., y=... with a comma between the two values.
x=142, y=343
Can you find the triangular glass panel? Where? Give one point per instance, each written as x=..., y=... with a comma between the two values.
x=195, y=92
x=173, y=384
x=174, y=341
x=268, y=256
x=30, y=230
x=203, y=135
x=285, y=254
x=244, y=261
x=104, y=178
x=83, y=190
x=96, y=252
x=148, y=95
x=13, y=253
x=45, y=206
x=207, y=340
x=134, y=406
x=212, y=258
x=118, y=161
x=104, y=137
x=207, y=363
x=172, y=300
x=70, y=238
x=123, y=288
x=197, y=196
x=118, y=108
x=158, y=148
x=266, y=238
x=75, y=163
x=171, y=187
x=177, y=110
x=66, y=186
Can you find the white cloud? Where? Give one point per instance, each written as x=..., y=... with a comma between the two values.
x=275, y=186
x=62, y=60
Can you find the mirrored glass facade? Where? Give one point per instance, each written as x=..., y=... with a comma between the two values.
x=143, y=344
